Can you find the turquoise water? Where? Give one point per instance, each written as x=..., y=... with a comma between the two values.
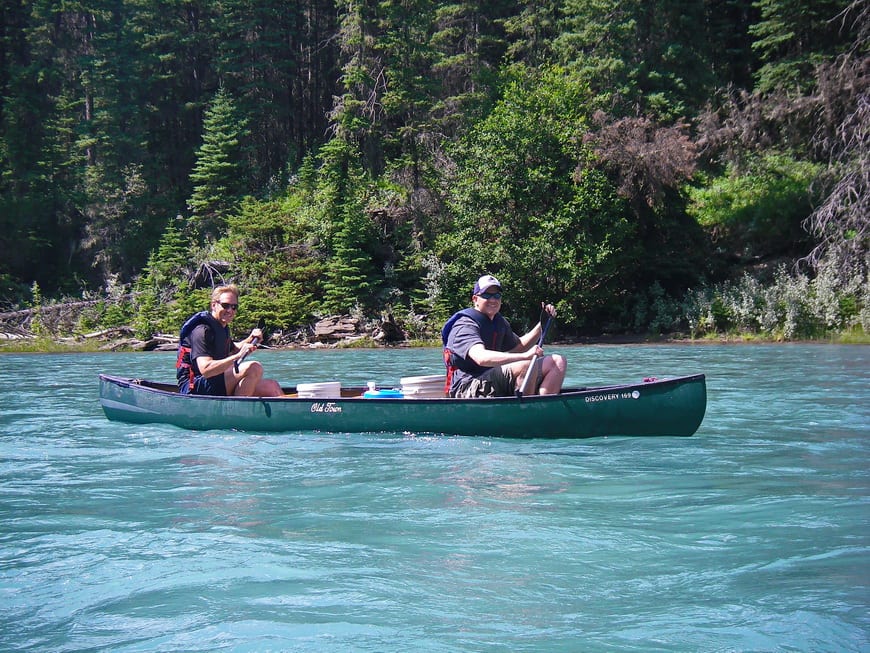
x=752, y=535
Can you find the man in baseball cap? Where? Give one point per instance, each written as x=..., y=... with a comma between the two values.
x=485, y=358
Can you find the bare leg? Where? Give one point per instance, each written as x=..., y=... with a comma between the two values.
x=534, y=378
x=519, y=371
x=244, y=382
x=249, y=382
x=554, y=367
x=268, y=388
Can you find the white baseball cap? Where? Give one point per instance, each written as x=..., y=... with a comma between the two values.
x=486, y=281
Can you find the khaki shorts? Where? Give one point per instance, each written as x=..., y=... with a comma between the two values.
x=495, y=382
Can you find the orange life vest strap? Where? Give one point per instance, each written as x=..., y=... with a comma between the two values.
x=183, y=362
x=448, y=381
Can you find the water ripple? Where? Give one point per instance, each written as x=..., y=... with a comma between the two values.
x=752, y=535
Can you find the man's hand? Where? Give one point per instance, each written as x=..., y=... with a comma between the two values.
x=246, y=348
x=549, y=309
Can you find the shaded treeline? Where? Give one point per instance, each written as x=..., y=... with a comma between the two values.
x=372, y=157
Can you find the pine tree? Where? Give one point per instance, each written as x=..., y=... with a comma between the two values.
x=219, y=174
x=641, y=57
x=341, y=190
x=281, y=78
x=388, y=89
x=532, y=31
x=469, y=45
x=792, y=37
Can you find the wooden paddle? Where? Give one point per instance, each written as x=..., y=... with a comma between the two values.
x=534, y=362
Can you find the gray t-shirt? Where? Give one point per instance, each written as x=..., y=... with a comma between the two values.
x=463, y=336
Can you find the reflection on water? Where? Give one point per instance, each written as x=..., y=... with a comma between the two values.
x=211, y=493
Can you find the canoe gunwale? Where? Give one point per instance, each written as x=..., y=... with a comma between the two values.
x=353, y=393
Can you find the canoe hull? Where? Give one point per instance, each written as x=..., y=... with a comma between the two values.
x=673, y=407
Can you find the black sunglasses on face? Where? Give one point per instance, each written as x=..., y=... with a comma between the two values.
x=490, y=295
x=227, y=307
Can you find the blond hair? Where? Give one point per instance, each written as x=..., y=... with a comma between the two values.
x=220, y=290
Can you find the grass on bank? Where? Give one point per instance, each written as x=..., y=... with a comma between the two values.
x=854, y=336
x=44, y=345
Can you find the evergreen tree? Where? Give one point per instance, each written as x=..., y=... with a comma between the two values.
x=726, y=30
x=171, y=262
x=355, y=114
x=121, y=221
x=282, y=77
x=50, y=175
x=388, y=89
x=793, y=36
x=641, y=57
x=533, y=30
x=469, y=42
x=341, y=191
x=175, y=67
x=219, y=176
x=165, y=276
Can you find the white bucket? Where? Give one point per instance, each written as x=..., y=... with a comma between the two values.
x=319, y=390
x=423, y=387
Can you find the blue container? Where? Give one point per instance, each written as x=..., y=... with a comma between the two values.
x=383, y=394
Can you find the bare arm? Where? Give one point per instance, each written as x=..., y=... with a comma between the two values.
x=210, y=367
x=490, y=358
x=533, y=335
x=529, y=338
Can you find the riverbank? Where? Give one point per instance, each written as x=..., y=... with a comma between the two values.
x=43, y=345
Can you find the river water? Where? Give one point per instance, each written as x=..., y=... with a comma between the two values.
x=752, y=535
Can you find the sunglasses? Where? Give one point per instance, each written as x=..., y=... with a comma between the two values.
x=490, y=295
x=227, y=307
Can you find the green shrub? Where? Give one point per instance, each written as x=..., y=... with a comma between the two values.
x=791, y=306
x=283, y=307
x=759, y=209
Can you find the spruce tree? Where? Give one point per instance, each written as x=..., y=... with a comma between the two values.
x=218, y=177
x=794, y=36
x=341, y=195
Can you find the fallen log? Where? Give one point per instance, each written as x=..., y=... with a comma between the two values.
x=111, y=332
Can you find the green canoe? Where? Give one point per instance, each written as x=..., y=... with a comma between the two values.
x=672, y=406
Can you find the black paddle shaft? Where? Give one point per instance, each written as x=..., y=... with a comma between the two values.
x=534, y=358
x=255, y=341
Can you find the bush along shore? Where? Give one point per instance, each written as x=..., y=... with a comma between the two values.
x=790, y=308
x=53, y=328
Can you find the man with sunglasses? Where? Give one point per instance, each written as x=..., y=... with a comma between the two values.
x=209, y=362
x=485, y=358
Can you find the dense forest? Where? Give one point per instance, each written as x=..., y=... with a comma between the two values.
x=650, y=166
